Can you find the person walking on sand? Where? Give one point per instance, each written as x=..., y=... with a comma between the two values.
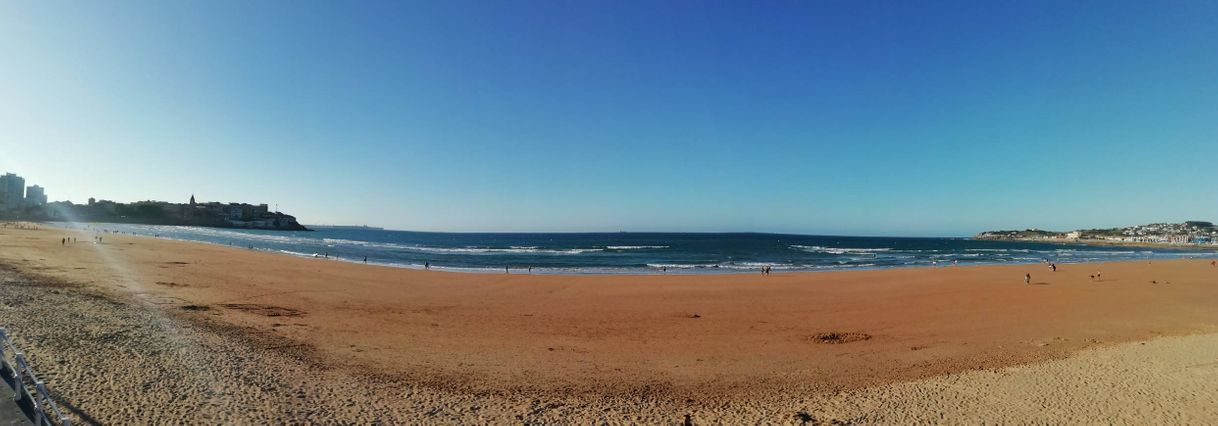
x=63, y=242
x=1053, y=267
x=426, y=265
x=1027, y=278
x=365, y=259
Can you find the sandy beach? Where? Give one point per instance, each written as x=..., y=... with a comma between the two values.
x=147, y=330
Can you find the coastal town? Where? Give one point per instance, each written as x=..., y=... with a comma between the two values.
x=1193, y=232
x=18, y=201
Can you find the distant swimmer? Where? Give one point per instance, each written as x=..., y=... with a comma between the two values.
x=1027, y=278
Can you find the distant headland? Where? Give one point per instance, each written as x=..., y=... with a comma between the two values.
x=210, y=214
x=1193, y=233
x=18, y=201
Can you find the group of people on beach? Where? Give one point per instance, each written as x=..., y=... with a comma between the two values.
x=20, y=225
x=65, y=240
x=507, y=269
x=1027, y=278
x=765, y=270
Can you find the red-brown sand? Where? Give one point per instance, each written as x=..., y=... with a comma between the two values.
x=688, y=341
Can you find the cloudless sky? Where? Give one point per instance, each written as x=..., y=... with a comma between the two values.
x=830, y=117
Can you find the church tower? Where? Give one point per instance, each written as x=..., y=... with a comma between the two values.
x=192, y=199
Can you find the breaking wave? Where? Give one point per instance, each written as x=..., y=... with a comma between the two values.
x=837, y=250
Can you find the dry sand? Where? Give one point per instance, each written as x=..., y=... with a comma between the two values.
x=163, y=331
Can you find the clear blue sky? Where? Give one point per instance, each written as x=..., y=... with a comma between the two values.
x=840, y=117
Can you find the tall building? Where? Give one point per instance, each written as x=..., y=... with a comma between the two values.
x=12, y=191
x=35, y=196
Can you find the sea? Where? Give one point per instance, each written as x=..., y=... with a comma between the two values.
x=641, y=252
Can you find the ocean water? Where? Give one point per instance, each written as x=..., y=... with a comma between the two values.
x=633, y=253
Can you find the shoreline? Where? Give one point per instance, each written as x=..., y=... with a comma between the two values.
x=655, y=344
x=713, y=269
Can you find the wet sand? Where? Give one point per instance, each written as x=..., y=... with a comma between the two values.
x=260, y=336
